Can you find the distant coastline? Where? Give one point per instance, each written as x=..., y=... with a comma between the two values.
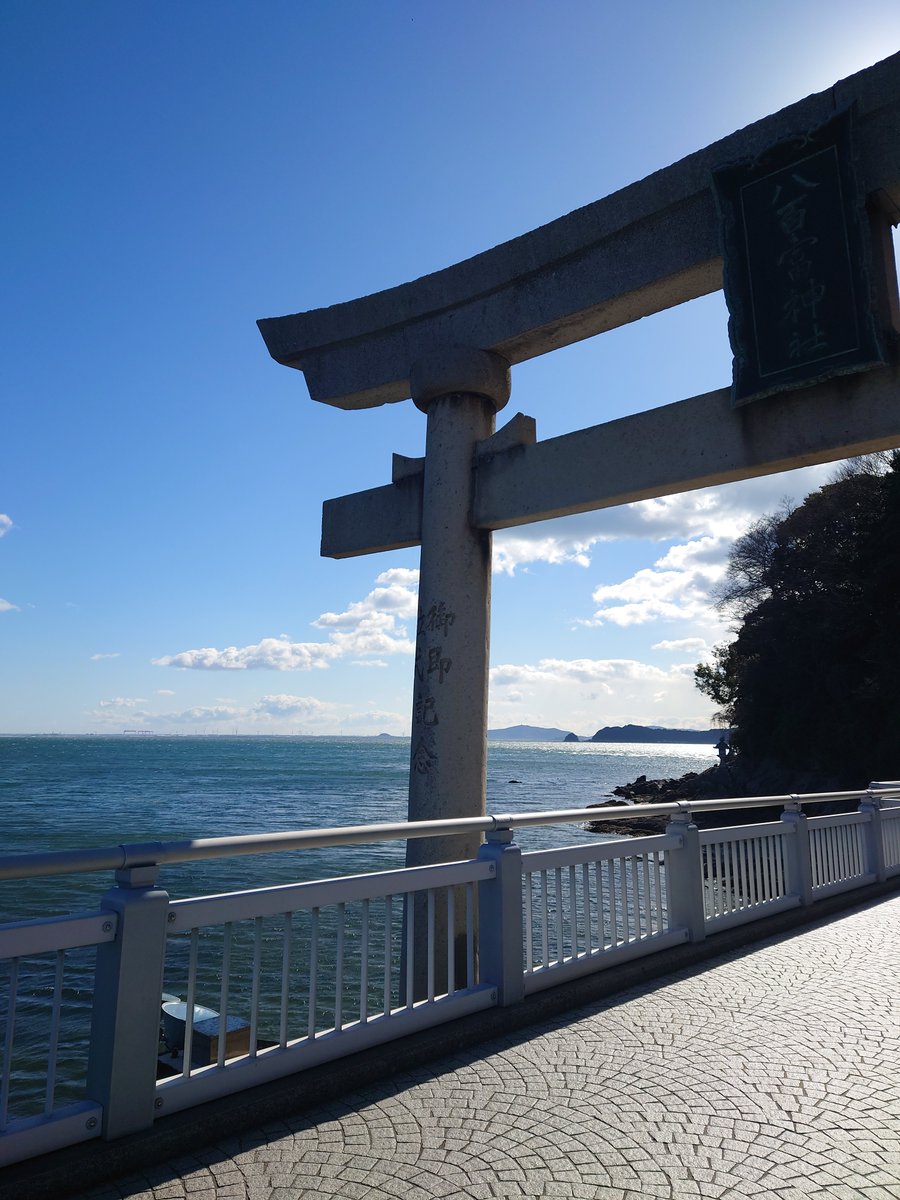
x=609, y=733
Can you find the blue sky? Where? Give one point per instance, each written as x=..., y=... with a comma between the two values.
x=174, y=172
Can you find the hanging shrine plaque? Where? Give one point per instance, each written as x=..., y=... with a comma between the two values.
x=797, y=264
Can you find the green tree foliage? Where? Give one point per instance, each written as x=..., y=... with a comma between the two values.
x=811, y=683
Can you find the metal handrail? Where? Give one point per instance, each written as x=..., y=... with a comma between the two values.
x=113, y=858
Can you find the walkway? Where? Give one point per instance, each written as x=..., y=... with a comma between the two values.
x=773, y=1074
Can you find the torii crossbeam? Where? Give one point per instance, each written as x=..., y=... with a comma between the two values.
x=447, y=340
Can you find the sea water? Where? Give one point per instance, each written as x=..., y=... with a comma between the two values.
x=61, y=793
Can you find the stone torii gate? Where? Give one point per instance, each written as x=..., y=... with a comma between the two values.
x=447, y=341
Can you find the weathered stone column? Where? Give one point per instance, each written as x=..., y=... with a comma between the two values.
x=460, y=390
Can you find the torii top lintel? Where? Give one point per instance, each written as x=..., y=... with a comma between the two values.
x=645, y=248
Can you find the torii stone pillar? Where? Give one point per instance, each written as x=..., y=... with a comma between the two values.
x=460, y=389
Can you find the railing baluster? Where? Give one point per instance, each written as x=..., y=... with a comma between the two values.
x=285, y=980
x=257, y=971
x=573, y=912
x=388, y=952
x=339, y=970
x=545, y=921
x=191, y=1001
x=53, y=1045
x=410, y=910
x=857, y=862
x=850, y=841
x=780, y=869
x=623, y=897
x=834, y=864
x=598, y=887
x=841, y=848
x=430, y=943
x=837, y=854
x=528, y=894
x=728, y=899
x=647, y=909
x=451, y=941
x=661, y=915
x=586, y=907
x=224, y=991
x=770, y=861
x=720, y=892
x=8, y=1040
x=364, y=965
x=744, y=860
x=470, y=935
x=613, y=922
x=635, y=898
x=313, y=972
x=757, y=889
x=559, y=915
x=722, y=900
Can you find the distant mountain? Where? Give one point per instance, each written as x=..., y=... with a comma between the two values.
x=527, y=733
x=654, y=733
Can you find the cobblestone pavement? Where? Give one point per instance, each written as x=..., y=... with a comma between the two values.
x=774, y=1074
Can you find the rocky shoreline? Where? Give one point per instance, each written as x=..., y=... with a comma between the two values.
x=723, y=781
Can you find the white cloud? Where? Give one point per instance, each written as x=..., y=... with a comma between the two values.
x=272, y=713
x=677, y=587
x=163, y=692
x=199, y=715
x=721, y=512
x=270, y=654
x=513, y=549
x=688, y=645
x=368, y=629
x=100, y=657
x=7, y=606
x=5, y=524
x=404, y=576
x=584, y=694
x=289, y=706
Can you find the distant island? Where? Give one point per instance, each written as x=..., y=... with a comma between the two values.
x=609, y=733
x=656, y=733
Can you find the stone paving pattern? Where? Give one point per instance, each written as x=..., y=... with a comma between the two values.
x=771, y=1074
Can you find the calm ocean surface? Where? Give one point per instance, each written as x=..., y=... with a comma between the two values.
x=63, y=792
x=66, y=792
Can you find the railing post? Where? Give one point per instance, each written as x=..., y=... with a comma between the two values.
x=797, y=858
x=128, y=983
x=500, y=954
x=684, y=881
x=875, y=857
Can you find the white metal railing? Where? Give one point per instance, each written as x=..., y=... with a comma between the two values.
x=589, y=906
x=45, y=1046
x=890, y=825
x=313, y=971
x=744, y=873
x=838, y=852
x=308, y=972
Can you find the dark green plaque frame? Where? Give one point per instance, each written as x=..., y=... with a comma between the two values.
x=798, y=276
